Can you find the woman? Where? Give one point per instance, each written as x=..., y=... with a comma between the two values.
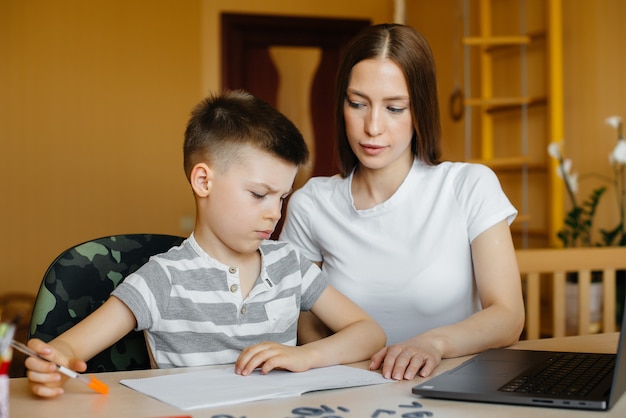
x=423, y=246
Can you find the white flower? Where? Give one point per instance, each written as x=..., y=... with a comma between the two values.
x=614, y=121
x=564, y=172
x=554, y=150
x=566, y=167
x=578, y=221
x=619, y=153
x=572, y=180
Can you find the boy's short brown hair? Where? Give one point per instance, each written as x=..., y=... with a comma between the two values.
x=221, y=124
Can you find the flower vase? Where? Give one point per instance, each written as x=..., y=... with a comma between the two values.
x=595, y=305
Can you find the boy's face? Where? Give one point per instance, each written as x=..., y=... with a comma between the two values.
x=244, y=202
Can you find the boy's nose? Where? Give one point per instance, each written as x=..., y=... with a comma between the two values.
x=275, y=211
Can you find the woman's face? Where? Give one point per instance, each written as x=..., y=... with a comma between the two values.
x=377, y=115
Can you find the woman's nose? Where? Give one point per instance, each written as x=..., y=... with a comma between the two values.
x=373, y=124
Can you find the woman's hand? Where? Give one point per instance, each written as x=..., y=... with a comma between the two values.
x=44, y=378
x=407, y=359
x=269, y=356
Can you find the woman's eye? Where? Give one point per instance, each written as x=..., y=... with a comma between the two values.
x=393, y=109
x=355, y=105
x=257, y=195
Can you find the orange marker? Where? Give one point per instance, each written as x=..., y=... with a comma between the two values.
x=90, y=380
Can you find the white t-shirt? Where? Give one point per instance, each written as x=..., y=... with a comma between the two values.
x=406, y=261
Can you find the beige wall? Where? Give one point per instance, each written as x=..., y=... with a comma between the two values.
x=441, y=22
x=94, y=100
x=595, y=87
x=94, y=97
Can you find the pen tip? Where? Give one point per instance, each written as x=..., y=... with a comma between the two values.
x=98, y=386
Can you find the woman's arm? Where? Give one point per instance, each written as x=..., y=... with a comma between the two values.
x=498, y=324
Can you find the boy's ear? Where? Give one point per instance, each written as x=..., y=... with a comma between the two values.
x=201, y=179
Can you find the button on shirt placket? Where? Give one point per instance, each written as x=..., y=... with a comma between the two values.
x=233, y=279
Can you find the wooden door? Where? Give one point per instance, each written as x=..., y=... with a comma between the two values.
x=246, y=64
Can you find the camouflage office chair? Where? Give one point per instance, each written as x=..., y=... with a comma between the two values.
x=81, y=279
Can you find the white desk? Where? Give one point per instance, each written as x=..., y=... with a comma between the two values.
x=380, y=401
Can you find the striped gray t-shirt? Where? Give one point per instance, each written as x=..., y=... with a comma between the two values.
x=192, y=310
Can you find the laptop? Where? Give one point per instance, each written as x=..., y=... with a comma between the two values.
x=508, y=376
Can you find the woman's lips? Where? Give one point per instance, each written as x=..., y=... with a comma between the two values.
x=370, y=149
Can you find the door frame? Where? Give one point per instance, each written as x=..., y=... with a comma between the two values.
x=241, y=30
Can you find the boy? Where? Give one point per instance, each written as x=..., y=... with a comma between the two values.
x=227, y=294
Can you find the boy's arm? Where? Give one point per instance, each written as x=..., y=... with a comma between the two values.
x=356, y=335
x=101, y=329
x=356, y=338
x=310, y=328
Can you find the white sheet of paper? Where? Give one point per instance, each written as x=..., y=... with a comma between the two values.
x=221, y=386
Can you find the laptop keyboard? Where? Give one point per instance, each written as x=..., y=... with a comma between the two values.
x=566, y=374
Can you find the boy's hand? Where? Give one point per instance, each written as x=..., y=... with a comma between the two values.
x=43, y=377
x=269, y=356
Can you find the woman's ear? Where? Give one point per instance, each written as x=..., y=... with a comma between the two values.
x=201, y=179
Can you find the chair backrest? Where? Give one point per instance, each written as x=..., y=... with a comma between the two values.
x=555, y=264
x=81, y=279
